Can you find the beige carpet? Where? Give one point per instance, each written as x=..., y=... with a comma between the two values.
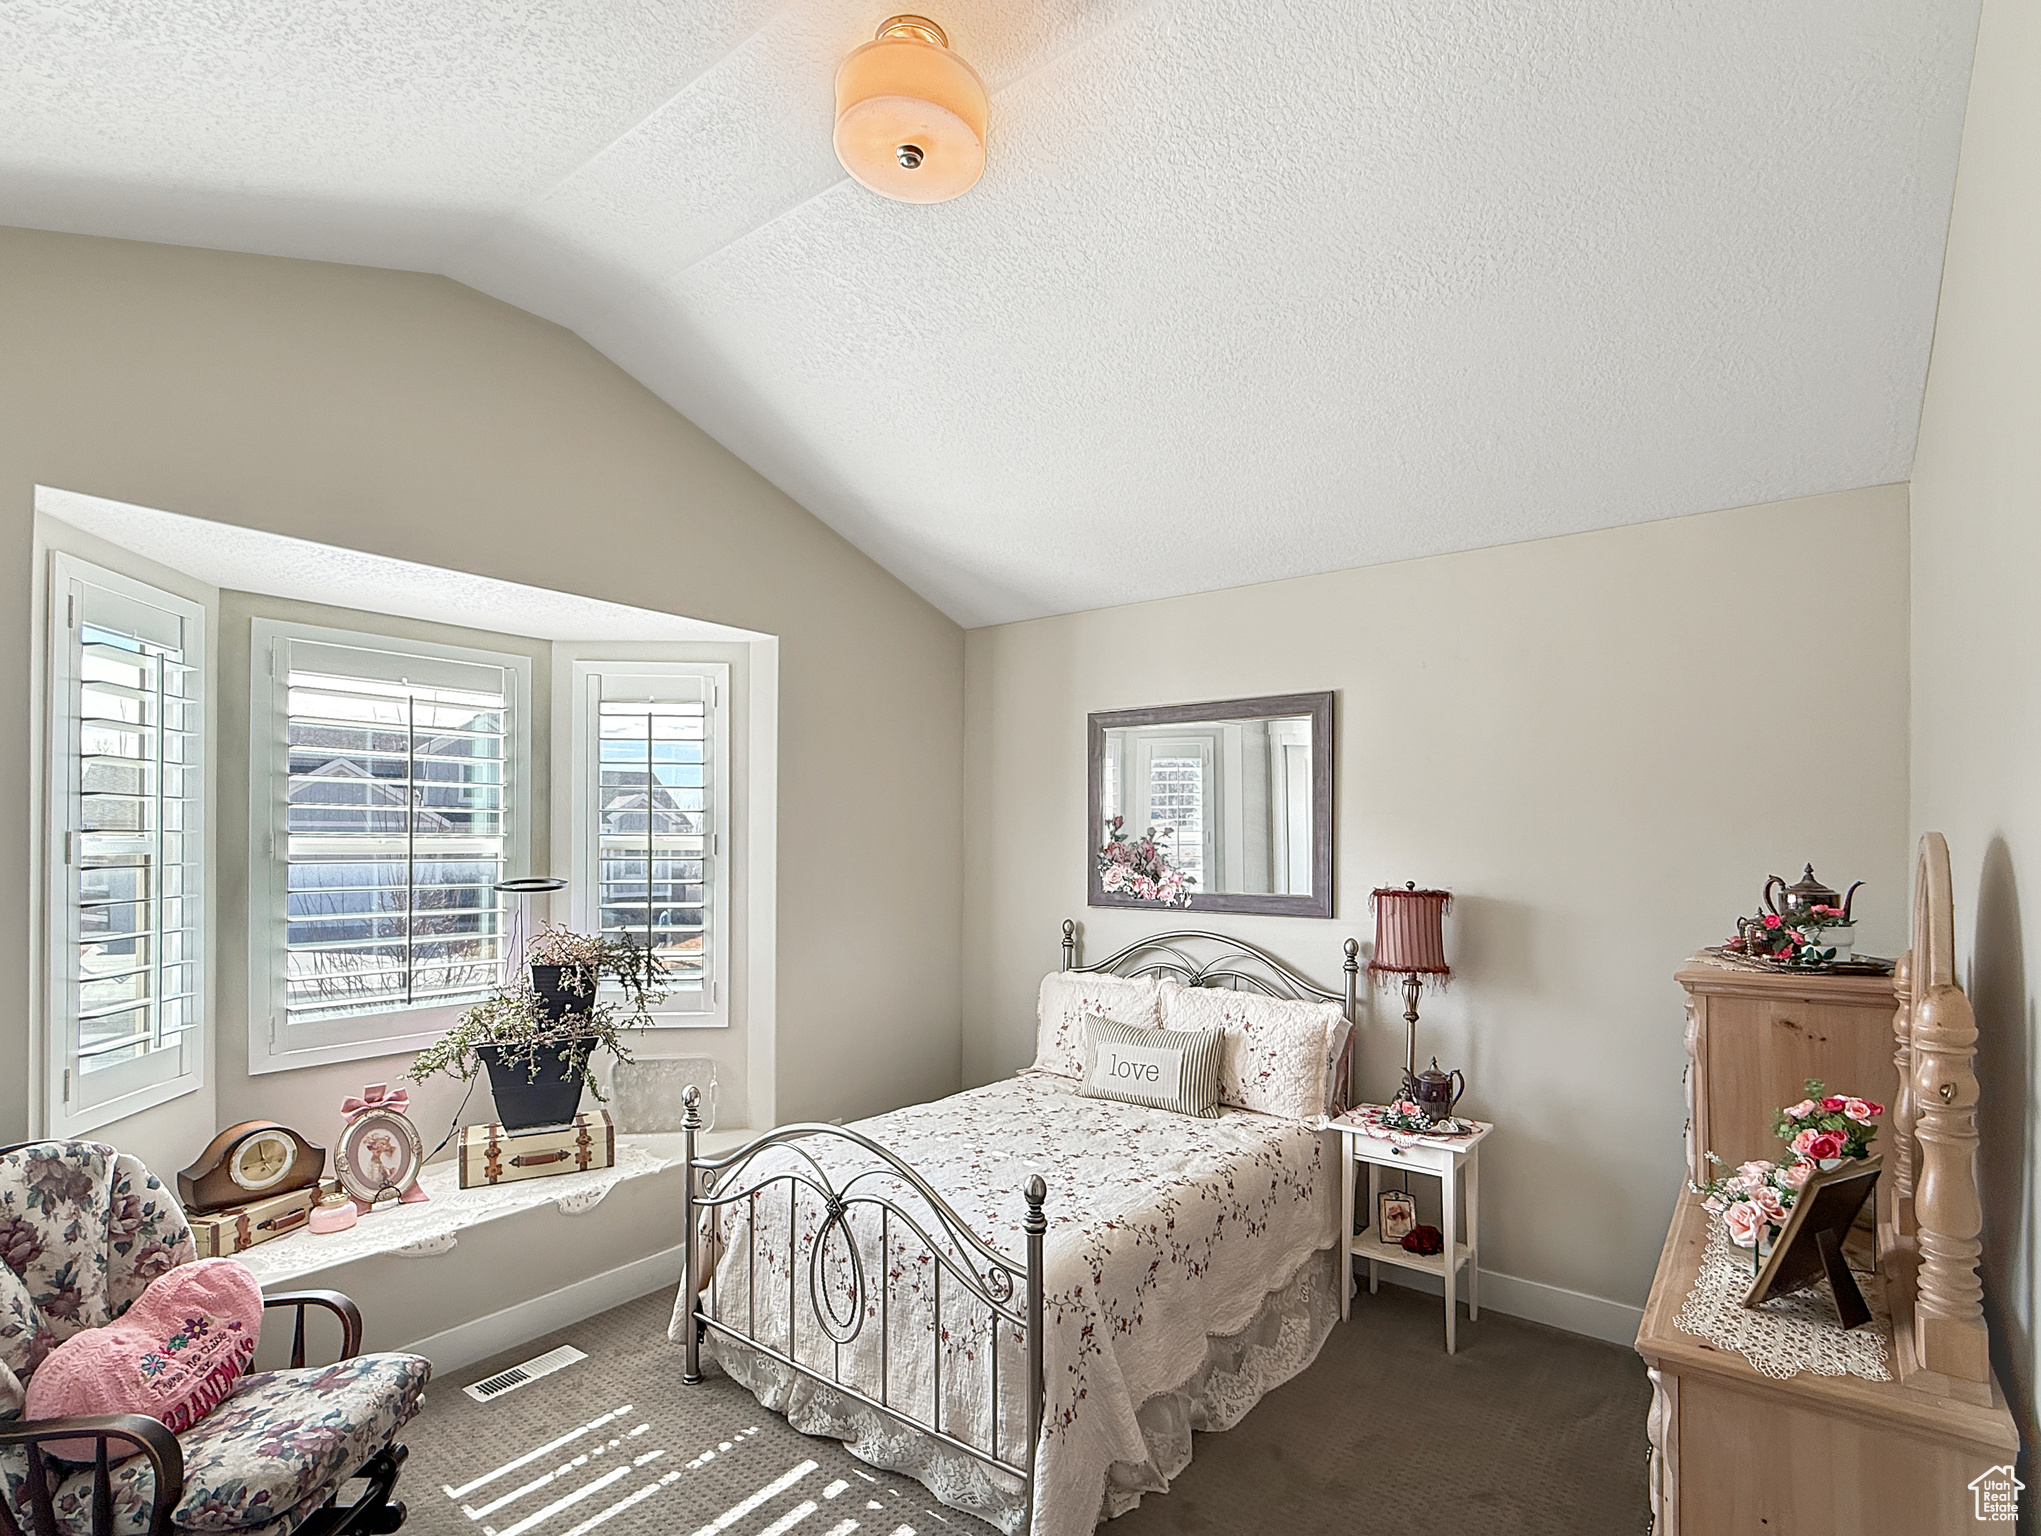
x=1527, y=1430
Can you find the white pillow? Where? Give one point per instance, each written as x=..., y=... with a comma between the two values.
x=1068, y=998
x=1279, y=1056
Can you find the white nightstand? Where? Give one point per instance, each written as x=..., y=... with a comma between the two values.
x=1448, y=1161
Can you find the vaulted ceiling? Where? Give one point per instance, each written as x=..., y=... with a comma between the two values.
x=1248, y=290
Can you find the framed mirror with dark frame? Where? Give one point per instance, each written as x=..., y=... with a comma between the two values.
x=1221, y=807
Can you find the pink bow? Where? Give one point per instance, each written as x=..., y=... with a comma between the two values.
x=377, y=1096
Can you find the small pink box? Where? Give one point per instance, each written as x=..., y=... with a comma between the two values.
x=333, y=1213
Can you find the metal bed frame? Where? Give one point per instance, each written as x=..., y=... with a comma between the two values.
x=715, y=1184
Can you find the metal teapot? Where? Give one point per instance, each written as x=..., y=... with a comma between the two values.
x=1798, y=900
x=1434, y=1092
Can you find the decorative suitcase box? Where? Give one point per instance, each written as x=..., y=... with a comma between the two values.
x=492, y=1155
x=221, y=1234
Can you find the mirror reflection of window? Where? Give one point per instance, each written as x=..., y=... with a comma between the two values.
x=1177, y=787
x=1234, y=794
x=1290, y=808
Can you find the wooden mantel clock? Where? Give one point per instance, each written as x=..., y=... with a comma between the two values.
x=254, y=1160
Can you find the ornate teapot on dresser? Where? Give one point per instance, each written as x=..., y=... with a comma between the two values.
x=1797, y=901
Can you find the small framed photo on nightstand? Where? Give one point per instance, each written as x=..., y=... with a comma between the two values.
x=1395, y=1215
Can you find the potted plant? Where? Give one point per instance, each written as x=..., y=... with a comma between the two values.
x=567, y=968
x=537, y=1039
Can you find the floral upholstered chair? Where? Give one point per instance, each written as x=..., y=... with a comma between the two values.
x=83, y=1229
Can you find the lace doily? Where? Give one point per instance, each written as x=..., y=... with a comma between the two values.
x=1788, y=1334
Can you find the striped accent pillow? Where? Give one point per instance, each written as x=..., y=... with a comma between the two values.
x=1171, y=1069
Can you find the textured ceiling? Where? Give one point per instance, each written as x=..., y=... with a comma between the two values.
x=1247, y=291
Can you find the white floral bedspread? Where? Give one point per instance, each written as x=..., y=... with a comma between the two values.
x=1164, y=1231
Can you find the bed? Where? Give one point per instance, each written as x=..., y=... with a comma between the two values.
x=1026, y=1298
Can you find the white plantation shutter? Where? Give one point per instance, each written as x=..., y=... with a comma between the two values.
x=127, y=818
x=652, y=833
x=394, y=811
x=651, y=817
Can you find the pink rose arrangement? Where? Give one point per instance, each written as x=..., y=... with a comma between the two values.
x=1825, y=1125
x=1755, y=1201
x=1769, y=936
x=1409, y=1118
x=1140, y=867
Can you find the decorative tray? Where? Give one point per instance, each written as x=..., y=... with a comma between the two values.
x=1856, y=965
x=1368, y=1118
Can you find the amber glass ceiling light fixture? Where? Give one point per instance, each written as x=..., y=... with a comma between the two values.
x=910, y=114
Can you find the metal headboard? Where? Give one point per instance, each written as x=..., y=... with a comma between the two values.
x=1162, y=954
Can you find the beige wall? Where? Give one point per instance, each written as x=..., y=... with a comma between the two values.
x=1576, y=737
x=1977, y=640
x=411, y=417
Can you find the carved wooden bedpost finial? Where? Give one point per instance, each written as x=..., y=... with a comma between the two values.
x=1949, y=1332
x=1899, y=1124
x=1949, y=1313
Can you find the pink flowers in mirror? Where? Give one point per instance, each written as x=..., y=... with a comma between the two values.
x=1820, y=1131
x=1140, y=868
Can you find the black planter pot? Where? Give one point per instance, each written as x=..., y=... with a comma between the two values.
x=524, y=1099
x=564, y=990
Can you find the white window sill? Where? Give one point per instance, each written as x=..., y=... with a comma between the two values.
x=433, y=1226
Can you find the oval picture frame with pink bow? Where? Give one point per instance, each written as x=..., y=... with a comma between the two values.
x=379, y=1152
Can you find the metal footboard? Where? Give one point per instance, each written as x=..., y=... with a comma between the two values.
x=1009, y=1292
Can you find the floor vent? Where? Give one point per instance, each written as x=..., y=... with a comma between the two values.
x=539, y=1365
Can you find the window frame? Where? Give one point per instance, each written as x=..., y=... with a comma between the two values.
x=586, y=694
x=133, y=1090
x=271, y=1046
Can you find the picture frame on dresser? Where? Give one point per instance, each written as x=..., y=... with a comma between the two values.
x=1810, y=1248
x=1244, y=787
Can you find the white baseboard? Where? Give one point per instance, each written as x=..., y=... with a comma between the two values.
x=1575, y=1311
x=465, y=1343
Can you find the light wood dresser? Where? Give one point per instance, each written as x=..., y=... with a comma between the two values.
x=1755, y=1037
x=1738, y=1453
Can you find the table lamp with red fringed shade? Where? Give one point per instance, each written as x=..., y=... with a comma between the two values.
x=1410, y=941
